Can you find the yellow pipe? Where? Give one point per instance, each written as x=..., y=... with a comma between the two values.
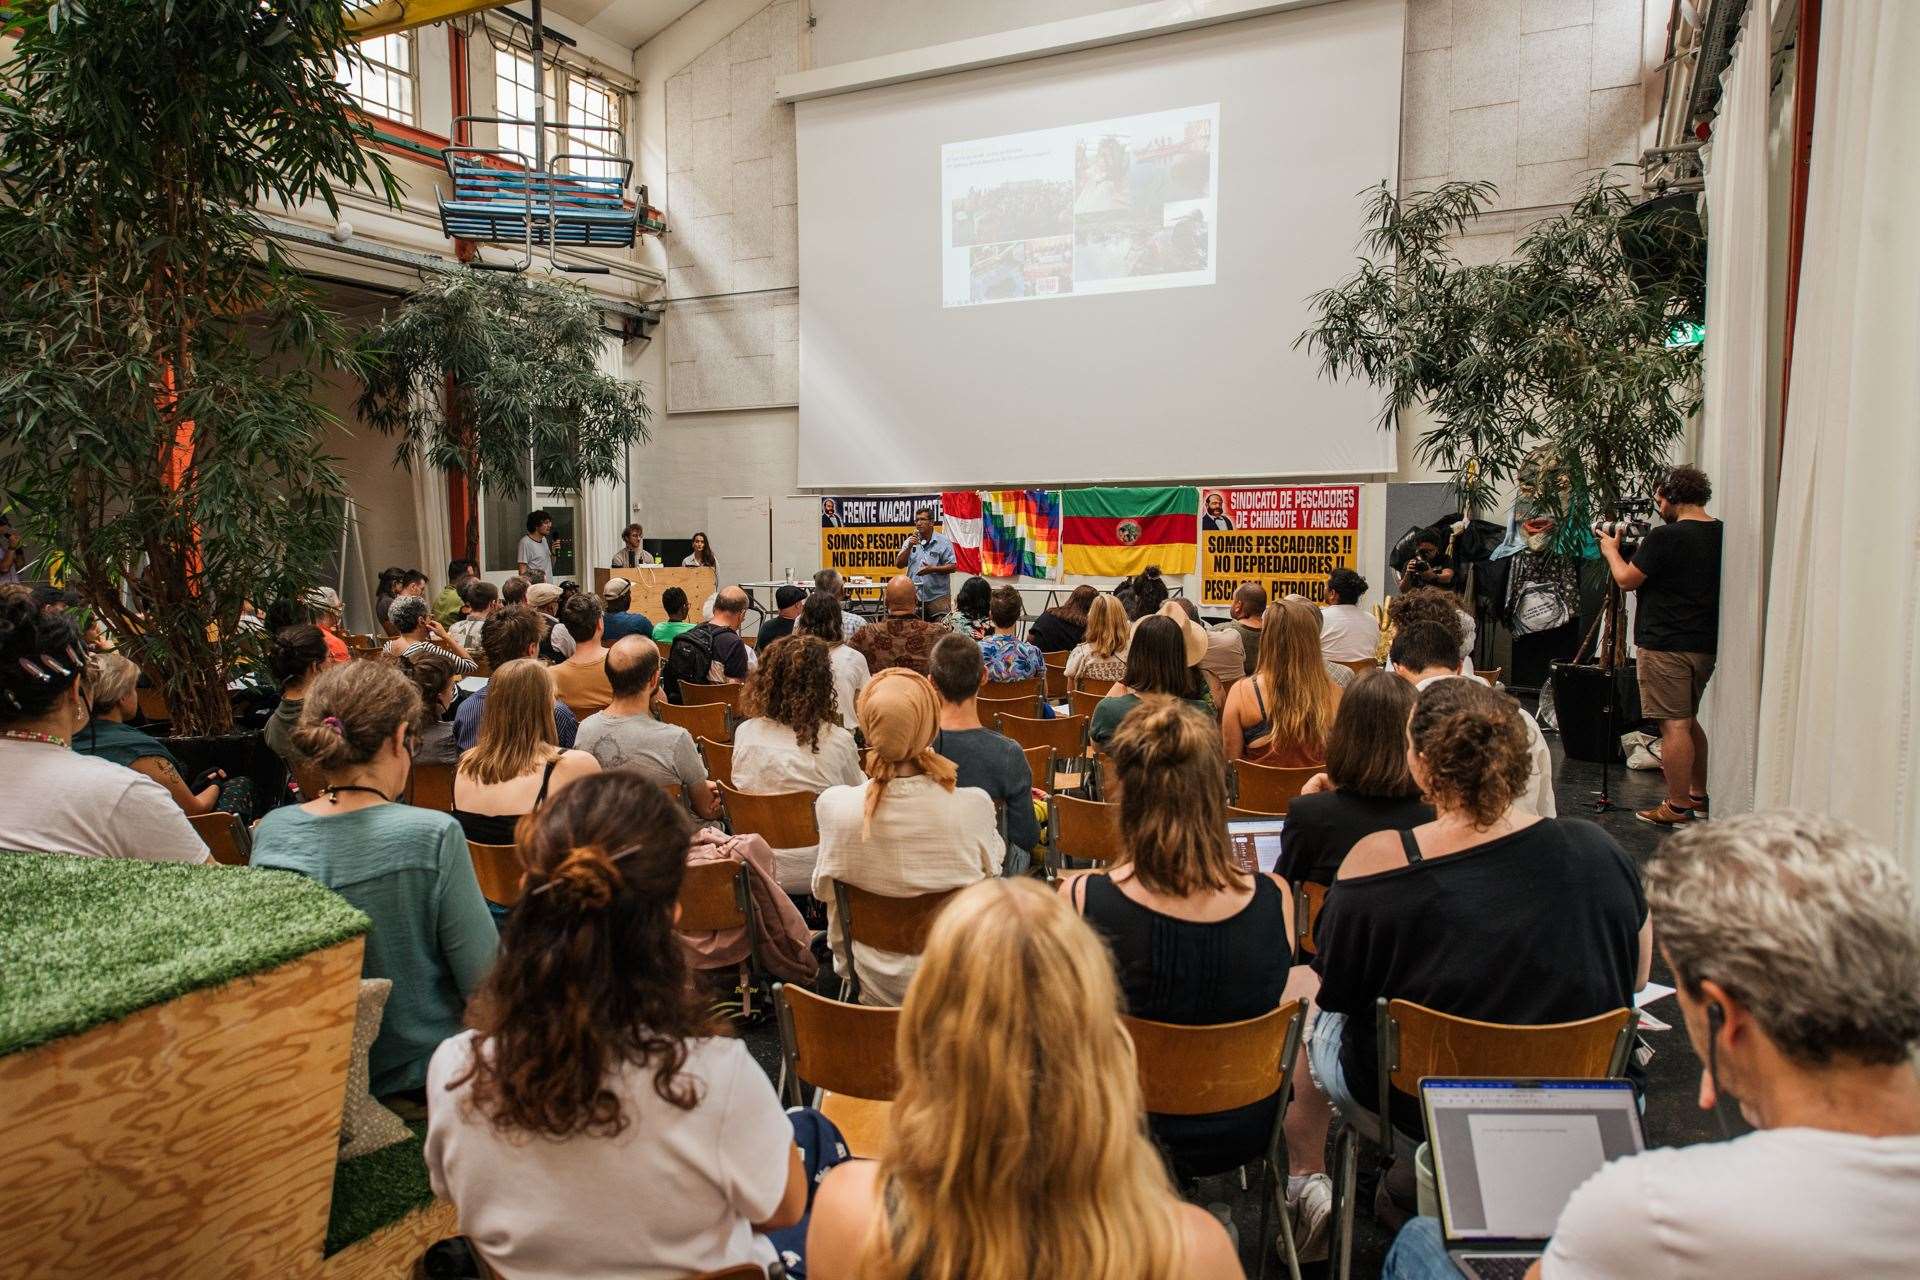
x=388, y=16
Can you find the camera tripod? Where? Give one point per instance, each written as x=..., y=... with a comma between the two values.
x=1612, y=618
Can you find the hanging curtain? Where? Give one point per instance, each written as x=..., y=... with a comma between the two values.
x=603, y=509
x=430, y=526
x=1736, y=422
x=1841, y=672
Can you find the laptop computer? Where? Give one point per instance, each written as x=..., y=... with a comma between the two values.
x=1256, y=842
x=1508, y=1154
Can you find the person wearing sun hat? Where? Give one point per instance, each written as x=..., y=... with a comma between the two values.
x=326, y=606
x=1164, y=658
x=907, y=830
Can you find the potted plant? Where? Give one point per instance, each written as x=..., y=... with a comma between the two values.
x=1553, y=375
x=158, y=356
x=479, y=372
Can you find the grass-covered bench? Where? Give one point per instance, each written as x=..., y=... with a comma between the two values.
x=174, y=1044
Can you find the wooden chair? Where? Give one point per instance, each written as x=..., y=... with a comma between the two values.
x=1065, y=734
x=225, y=836
x=845, y=1052
x=1082, y=700
x=499, y=870
x=1006, y=690
x=1087, y=830
x=700, y=695
x=783, y=821
x=991, y=709
x=1269, y=788
x=716, y=896
x=1490, y=674
x=1040, y=763
x=431, y=787
x=1415, y=1041
x=1359, y=666
x=1056, y=661
x=884, y=923
x=719, y=758
x=1308, y=899
x=702, y=720
x=1055, y=676
x=1197, y=1071
x=1234, y=811
x=1106, y=776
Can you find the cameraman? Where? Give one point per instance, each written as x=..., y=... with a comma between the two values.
x=1430, y=565
x=1676, y=572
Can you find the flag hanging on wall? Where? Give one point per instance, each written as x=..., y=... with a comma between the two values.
x=1020, y=533
x=1119, y=532
x=960, y=521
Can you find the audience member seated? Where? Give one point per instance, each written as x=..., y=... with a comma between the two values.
x=1249, y=610
x=1281, y=713
x=626, y=735
x=1064, y=626
x=1487, y=912
x=1348, y=633
x=299, y=655
x=557, y=643
x=433, y=675
x=1367, y=786
x=1434, y=604
x=1103, y=654
x=906, y=831
x=324, y=608
x=793, y=739
x=114, y=681
x=481, y=598
x=518, y=761
x=1038, y=1072
x=401, y=583
x=591, y=1123
x=1224, y=664
x=821, y=618
x=787, y=601
x=56, y=800
x=903, y=638
x=581, y=681
x=1007, y=657
x=416, y=631
x=514, y=590
x=1193, y=933
x=1796, y=953
x=406, y=867
x=673, y=603
x=1156, y=663
x=986, y=760
x=1424, y=652
x=732, y=661
x=622, y=620
x=1143, y=594
x=829, y=582
x=512, y=632
x=971, y=606
x=447, y=606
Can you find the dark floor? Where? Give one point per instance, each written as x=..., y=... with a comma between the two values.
x=1672, y=1118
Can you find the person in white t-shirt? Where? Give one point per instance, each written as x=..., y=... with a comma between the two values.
x=536, y=549
x=1795, y=949
x=590, y=1124
x=1424, y=652
x=52, y=799
x=1348, y=633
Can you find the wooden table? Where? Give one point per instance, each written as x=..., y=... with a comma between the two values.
x=649, y=581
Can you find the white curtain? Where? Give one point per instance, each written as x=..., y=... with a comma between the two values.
x=430, y=524
x=603, y=509
x=1842, y=664
x=1736, y=423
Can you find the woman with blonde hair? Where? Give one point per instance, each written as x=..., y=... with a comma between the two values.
x=1103, y=654
x=518, y=761
x=907, y=830
x=1015, y=1147
x=1282, y=713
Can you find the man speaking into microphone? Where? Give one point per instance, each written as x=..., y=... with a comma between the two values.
x=928, y=559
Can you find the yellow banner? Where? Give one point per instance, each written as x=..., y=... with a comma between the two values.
x=1286, y=538
x=861, y=534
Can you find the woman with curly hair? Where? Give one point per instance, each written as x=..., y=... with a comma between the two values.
x=794, y=740
x=591, y=1123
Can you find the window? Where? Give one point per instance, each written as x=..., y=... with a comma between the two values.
x=513, y=96
x=592, y=103
x=592, y=106
x=380, y=77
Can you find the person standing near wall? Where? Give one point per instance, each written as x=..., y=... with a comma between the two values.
x=536, y=549
x=928, y=559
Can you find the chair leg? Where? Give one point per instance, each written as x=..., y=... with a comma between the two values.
x=1346, y=1160
x=1266, y=1216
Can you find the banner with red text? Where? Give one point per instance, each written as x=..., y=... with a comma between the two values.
x=1287, y=538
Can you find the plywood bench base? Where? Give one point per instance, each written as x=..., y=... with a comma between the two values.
x=390, y=1252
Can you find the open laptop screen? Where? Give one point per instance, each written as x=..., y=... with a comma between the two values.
x=1256, y=841
x=1509, y=1154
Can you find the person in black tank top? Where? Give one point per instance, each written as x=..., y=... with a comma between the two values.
x=497, y=828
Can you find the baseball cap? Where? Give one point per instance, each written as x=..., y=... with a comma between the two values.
x=787, y=596
x=616, y=589
x=325, y=599
x=542, y=593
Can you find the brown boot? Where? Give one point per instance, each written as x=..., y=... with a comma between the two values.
x=1665, y=815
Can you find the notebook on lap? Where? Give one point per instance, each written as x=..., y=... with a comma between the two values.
x=1508, y=1154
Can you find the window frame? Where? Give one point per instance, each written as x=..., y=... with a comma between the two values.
x=561, y=80
x=350, y=72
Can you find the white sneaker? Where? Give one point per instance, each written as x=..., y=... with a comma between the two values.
x=1310, y=1202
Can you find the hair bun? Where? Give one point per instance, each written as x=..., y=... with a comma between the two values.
x=587, y=877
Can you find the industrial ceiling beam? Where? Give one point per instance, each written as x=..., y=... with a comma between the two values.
x=385, y=17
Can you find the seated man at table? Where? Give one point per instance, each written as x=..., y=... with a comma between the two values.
x=903, y=638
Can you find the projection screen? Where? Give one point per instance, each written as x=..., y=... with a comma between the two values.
x=1092, y=266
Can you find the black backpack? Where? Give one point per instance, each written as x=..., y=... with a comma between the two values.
x=691, y=657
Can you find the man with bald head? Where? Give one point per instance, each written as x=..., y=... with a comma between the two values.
x=627, y=734
x=903, y=638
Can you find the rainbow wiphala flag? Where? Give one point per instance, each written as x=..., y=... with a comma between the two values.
x=1020, y=533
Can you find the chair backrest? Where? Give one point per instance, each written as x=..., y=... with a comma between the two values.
x=1005, y=690
x=1040, y=765
x=714, y=896
x=1085, y=829
x=1490, y=674
x=1065, y=734
x=702, y=720
x=499, y=870
x=1416, y=1041
x=153, y=703
x=1235, y=811
x=885, y=923
x=1106, y=776
x=225, y=836
x=431, y=787
x=842, y=1048
x=992, y=709
x=1360, y=666
x=699, y=695
x=1082, y=700
x=784, y=821
x=1057, y=660
x=719, y=758
x=1193, y=1071
x=1308, y=898
x=1269, y=788
x=1057, y=684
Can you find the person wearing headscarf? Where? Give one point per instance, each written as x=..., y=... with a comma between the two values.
x=906, y=831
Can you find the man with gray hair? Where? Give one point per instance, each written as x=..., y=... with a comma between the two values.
x=829, y=582
x=1796, y=951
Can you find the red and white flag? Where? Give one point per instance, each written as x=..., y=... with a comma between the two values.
x=960, y=520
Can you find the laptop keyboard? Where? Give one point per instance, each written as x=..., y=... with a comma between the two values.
x=1496, y=1266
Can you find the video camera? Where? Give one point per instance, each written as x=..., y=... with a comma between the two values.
x=1633, y=524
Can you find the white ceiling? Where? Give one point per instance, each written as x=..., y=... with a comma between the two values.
x=628, y=23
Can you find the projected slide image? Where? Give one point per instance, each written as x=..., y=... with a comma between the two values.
x=1103, y=207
